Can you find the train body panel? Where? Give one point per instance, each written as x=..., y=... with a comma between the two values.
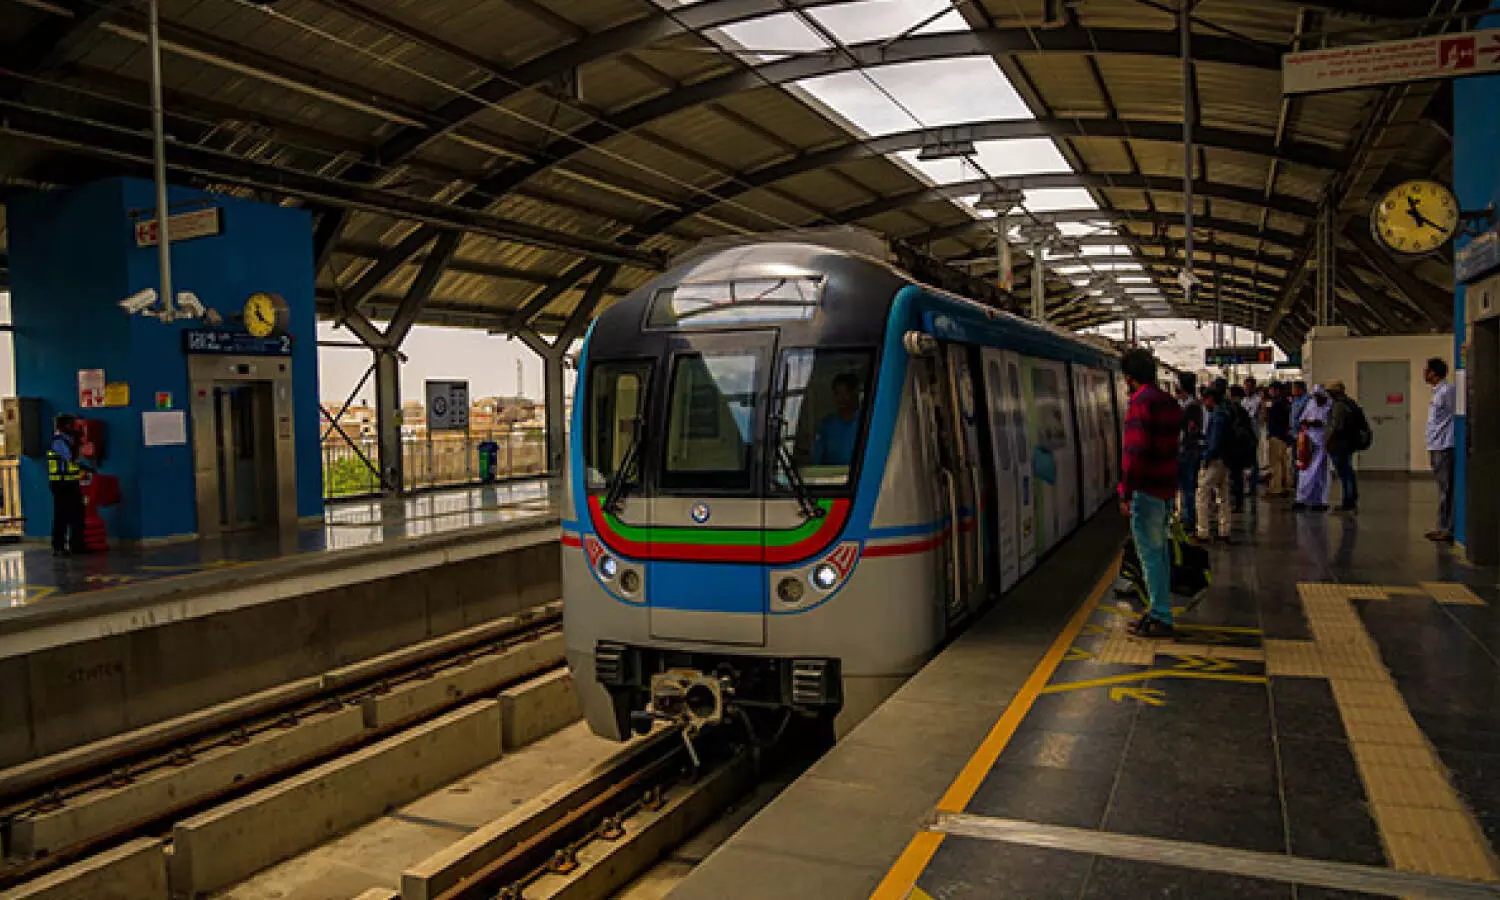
x=785, y=481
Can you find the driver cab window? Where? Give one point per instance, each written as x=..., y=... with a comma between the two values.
x=711, y=422
x=617, y=396
x=822, y=398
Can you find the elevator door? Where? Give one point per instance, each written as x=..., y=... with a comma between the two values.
x=1383, y=389
x=244, y=429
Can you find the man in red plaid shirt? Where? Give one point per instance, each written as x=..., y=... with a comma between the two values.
x=1148, y=483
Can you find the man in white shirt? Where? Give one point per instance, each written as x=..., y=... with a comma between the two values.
x=1440, y=444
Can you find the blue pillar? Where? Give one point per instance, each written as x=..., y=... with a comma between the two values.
x=73, y=257
x=1476, y=180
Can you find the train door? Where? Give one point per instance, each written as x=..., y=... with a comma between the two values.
x=1005, y=497
x=938, y=417
x=1054, y=459
x=968, y=531
x=706, y=580
x=1020, y=429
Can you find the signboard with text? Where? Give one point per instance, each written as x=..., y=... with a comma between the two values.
x=235, y=343
x=183, y=226
x=1390, y=62
x=447, y=405
x=1237, y=356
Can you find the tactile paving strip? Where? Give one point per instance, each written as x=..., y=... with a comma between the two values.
x=1421, y=818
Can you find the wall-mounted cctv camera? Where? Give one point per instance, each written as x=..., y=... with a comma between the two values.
x=189, y=306
x=140, y=301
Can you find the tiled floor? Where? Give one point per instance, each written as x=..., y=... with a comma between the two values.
x=1335, y=697
x=29, y=574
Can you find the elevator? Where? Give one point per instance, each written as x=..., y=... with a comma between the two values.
x=244, y=456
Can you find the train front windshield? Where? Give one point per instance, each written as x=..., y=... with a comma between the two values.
x=727, y=412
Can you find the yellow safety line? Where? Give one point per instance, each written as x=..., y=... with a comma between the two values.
x=1227, y=629
x=1130, y=677
x=900, y=882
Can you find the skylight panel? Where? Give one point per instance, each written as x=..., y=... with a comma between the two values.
x=773, y=35
x=1053, y=199
x=878, y=20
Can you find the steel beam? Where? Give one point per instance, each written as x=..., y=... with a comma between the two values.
x=1121, y=217
x=132, y=150
x=388, y=420
x=1098, y=182
x=1434, y=304
x=421, y=287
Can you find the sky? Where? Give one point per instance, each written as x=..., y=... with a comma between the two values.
x=875, y=102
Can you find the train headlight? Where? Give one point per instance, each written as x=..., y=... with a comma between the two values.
x=824, y=576
x=630, y=582
x=789, y=590
x=609, y=567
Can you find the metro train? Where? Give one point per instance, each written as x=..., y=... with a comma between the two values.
x=795, y=472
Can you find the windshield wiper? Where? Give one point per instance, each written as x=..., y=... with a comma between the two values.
x=619, y=480
x=810, y=509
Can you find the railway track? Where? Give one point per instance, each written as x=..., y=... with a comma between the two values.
x=595, y=835
x=59, y=811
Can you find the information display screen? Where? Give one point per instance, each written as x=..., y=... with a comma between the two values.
x=1237, y=356
x=234, y=343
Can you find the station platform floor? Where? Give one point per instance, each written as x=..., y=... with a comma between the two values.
x=1325, y=725
x=30, y=575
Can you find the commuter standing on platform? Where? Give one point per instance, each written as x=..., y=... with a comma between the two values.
x=1148, y=483
x=1279, y=439
x=1254, y=404
x=1440, y=444
x=1299, y=403
x=1213, y=477
x=1348, y=434
x=64, y=478
x=1191, y=445
x=1312, y=483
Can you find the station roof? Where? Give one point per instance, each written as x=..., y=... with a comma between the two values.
x=511, y=164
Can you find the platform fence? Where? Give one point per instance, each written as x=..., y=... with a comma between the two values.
x=441, y=459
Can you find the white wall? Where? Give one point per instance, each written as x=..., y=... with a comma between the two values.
x=1330, y=354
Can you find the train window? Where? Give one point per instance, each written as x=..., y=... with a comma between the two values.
x=1052, y=432
x=735, y=303
x=617, y=396
x=820, y=401
x=711, y=422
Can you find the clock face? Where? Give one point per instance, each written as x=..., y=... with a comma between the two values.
x=1415, y=217
x=265, y=314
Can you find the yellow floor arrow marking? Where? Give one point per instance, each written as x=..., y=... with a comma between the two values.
x=1135, y=677
x=1077, y=653
x=1091, y=628
x=1148, y=696
x=919, y=894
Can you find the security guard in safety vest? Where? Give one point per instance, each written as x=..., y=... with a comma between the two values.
x=64, y=473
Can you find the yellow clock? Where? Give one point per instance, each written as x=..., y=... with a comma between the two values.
x=266, y=314
x=1415, y=217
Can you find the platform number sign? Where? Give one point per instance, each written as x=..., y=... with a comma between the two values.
x=447, y=405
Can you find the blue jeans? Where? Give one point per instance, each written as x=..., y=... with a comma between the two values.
x=1343, y=463
x=1148, y=527
x=1187, y=487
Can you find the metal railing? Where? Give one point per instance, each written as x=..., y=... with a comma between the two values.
x=11, y=520
x=434, y=460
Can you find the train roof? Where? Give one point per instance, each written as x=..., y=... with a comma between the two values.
x=856, y=286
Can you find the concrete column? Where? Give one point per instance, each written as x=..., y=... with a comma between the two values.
x=1038, y=283
x=388, y=419
x=554, y=393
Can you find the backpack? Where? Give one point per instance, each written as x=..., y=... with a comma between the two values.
x=1356, y=433
x=1240, y=451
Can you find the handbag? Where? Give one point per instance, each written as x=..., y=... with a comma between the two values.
x=1304, y=449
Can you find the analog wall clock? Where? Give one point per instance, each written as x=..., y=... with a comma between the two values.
x=266, y=314
x=1415, y=217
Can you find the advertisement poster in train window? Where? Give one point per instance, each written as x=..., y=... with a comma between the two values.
x=1005, y=543
x=1018, y=408
x=1054, y=461
x=1087, y=438
x=1110, y=425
